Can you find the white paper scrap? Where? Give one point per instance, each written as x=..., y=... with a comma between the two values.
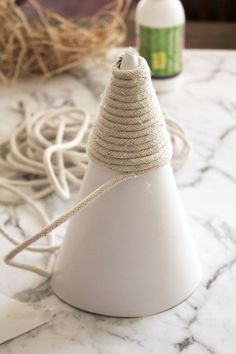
x=17, y=318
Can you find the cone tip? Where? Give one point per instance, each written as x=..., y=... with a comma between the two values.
x=129, y=59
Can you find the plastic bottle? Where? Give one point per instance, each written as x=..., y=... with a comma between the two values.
x=160, y=39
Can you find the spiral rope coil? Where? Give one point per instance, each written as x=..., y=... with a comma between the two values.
x=130, y=134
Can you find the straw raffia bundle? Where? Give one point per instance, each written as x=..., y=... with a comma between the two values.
x=51, y=44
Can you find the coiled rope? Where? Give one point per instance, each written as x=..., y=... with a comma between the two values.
x=27, y=156
x=130, y=136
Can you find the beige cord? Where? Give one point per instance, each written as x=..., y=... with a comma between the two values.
x=177, y=133
x=57, y=222
x=28, y=153
x=131, y=134
x=51, y=246
x=130, y=137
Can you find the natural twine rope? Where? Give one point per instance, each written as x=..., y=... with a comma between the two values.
x=130, y=137
x=49, y=44
x=131, y=134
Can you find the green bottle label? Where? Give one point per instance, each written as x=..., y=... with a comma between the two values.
x=162, y=48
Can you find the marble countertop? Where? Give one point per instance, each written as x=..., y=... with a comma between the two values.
x=206, y=322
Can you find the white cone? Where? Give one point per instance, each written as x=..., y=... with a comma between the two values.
x=130, y=253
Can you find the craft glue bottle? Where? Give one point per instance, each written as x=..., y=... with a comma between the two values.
x=160, y=39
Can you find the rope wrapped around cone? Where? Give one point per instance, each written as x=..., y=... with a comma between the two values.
x=130, y=134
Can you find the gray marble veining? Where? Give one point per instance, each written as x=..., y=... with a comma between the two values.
x=206, y=322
